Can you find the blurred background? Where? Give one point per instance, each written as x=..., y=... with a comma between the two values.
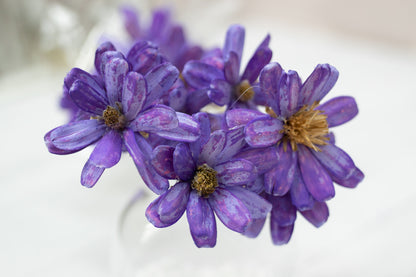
x=51, y=226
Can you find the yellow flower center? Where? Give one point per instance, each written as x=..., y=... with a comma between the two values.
x=205, y=180
x=113, y=118
x=244, y=91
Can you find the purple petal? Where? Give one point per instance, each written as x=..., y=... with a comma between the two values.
x=283, y=212
x=263, y=131
x=183, y=162
x=106, y=57
x=339, y=165
x=154, y=181
x=173, y=204
x=318, y=84
x=87, y=98
x=201, y=221
x=279, y=180
x=159, y=117
x=162, y=161
x=236, y=172
x=238, y=117
x=315, y=177
x=260, y=58
x=213, y=147
x=203, y=120
x=234, y=142
x=107, y=152
x=269, y=83
x=200, y=75
x=159, y=80
x=318, y=215
x=301, y=197
x=104, y=47
x=178, y=97
x=131, y=21
x=114, y=72
x=289, y=86
x=281, y=234
x=339, y=110
x=144, y=56
x=74, y=136
x=232, y=68
x=79, y=74
x=234, y=40
x=196, y=100
x=90, y=174
x=187, y=130
x=230, y=210
x=220, y=92
x=152, y=213
x=134, y=95
x=257, y=206
x=263, y=158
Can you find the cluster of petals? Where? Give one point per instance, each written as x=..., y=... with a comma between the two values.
x=269, y=154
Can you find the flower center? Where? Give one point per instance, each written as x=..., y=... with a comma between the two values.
x=205, y=180
x=113, y=118
x=307, y=126
x=244, y=91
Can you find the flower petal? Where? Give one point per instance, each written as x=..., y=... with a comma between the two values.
x=107, y=152
x=289, y=87
x=232, y=68
x=144, y=56
x=260, y=58
x=257, y=206
x=316, y=179
x=152, y=213
x=279, y=180
x=201, y=221
x=318, y=84
x=205, y=127
x=213, y=147
x=234, y=142
x=263, y=158
x=183, y=162
x=131, y=21
x=236, y=172
x=283, y=212
x=339, y=110
x=159, y=80
x=318, y=215
x=263, y=131
x=162, y=161
x=87, y=98
x=74, y=136
x=187, y=130
x=159, y=117
x=104, y=47
x=220, y=92
x=134, y=94
x=234, y=40
x=199, y=75
x=114, y=72
x=197, y=99
x=90, y=174
x=173, y=204
x=269, y=83
x=230, y=210
x=301, y=197
x=154, y=181
x=105, y=58
x=79, y=74
x=238, y=117
x=281, y=234
x=339, y=165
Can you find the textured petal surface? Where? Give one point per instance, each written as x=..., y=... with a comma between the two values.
x=238, y=117
x=183, y=163
x=162, y=161
x=230, y=210
x=234, y=143
x=106, y=58
x=283, y=212
x=201, y=221
x=107, y=152
x=213, y=147
x=260, y=58
x=90, y=174
x=232, y=68
x=318, y=215
x=134, y=94
x=263, y=132
x=187, y=130
x=79, y=74
x=154, y=181
x=144, y=56
x=234, y=40
x=315, y=177
x=200, y=75
x=159, y=80
x=104, y=47
x=173, y=204
x=114, y=72
x=269, y=83
x=339, y=110
x=87, y=98
x=220, y=92
x=263, y=158
x=159, y=117
x=281, y=234
x=289, y=87
x=236, y=172
x=74, y=136
x=152, y=212
x=301, y=197
x=205, y=127
x=318, y=84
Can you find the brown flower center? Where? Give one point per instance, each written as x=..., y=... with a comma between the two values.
x=244, y=91
x=307, y=126
x=113, y=118
x=205, y=180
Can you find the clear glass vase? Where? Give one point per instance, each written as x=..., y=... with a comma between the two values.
x=144, y=250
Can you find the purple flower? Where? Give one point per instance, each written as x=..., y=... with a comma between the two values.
x=222, y=81
x=296, y=129
x=122, y=111
x=210, y=181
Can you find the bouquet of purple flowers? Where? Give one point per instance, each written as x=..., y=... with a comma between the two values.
x=270, y=152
